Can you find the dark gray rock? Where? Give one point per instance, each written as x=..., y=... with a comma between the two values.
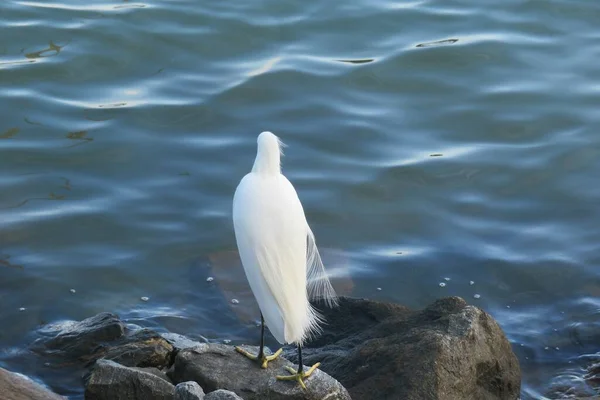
x=154, y=371
x=181, y=342
x=449, y=350
x=218, y=366
x=105, y=336
x=143, y=348
x=78, y=340
x=111, y=381
x=581, y=380
x=18, y=387
x=222, y=394
x=189, y=391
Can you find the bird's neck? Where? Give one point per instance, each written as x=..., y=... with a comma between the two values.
x=268, y=161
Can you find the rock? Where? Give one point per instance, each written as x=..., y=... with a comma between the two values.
x=19, y=387
x=105, y=336
x=222, y=394
x=580, y=380
x=218, y=366
x=143, y=348
x=80, y=339
x=154, y=371
x=449, y=350
x=111, y=381
x=189, y=391
x=181, y=342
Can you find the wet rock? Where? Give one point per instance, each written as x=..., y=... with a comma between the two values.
x=78, y=340
x=19, y=387
x=449, y=350
x=143, y=348
x=105, y=336
x=189, y=391
x=222, y=394
x=111, y=381
x=181, y=342
x=218, y=366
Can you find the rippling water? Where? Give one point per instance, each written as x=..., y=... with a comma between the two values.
x=431, y=142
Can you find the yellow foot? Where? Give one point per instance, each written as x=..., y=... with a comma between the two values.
x=298, y=377
x=264, y=359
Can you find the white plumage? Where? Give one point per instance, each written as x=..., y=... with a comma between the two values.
x=278, y=249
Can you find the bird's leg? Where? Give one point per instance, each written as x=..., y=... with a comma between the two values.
x=261, y=357
x=299, y=375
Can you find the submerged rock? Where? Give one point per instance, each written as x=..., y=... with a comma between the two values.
x=217, y=366
x=449, y=350
x=109, y=380
x=19, y=387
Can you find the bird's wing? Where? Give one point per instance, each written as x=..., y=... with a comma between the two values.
x=271, y=233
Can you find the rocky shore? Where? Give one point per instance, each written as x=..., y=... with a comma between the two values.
x=368, y=350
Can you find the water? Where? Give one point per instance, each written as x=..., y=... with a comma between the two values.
x=427, y=140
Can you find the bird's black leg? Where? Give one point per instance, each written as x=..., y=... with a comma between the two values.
x=261, y=351
x=261, y=357
x=300, y=366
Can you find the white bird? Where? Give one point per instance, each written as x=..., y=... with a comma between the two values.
x=279, y=255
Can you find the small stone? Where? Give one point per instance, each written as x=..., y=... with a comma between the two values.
x=442, y=284
x=188, y=391
x=477, y=296
x=73, y=291
x=222, y=394
x=144, y=298
x=210, y=279
x=235, y=301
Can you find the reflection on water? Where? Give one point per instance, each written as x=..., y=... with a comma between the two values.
x=359, y=61
x=9, y=133
x=438, y=43
x=80, y=136
x=51, y=51
x=5, y=262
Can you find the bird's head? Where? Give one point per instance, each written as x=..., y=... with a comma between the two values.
x=268, y=154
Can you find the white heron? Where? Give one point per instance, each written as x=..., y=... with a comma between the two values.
x=280, y=256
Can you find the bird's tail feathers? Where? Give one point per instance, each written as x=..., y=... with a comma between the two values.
x=317, y=282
